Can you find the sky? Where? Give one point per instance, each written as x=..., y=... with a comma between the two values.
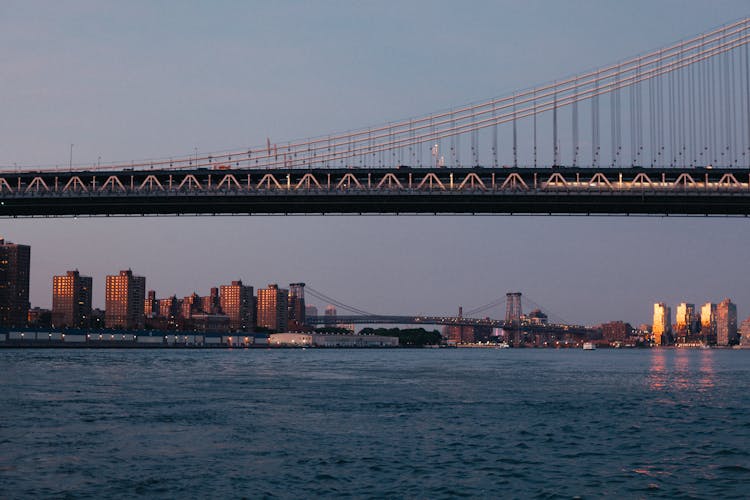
x=152, y=79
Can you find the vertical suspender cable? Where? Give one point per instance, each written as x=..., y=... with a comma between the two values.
x=575, y=131
x=554, y=129
x=746, y=152
x=494, y=138
x=731, y=160
x=670, y=108
x=515, y=136
x=632, y=123
x=595, y=124
x=660, y=154
x=453, y=143
x=614, y=108
x=534, y=116
x=693, y=119
x=652, y=121
x=681, y=121
x=639, y=119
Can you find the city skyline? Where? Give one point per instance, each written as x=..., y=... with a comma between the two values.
x=73, y=295
x=92, y=91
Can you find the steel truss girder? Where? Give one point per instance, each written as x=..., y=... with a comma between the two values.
x=670, y=191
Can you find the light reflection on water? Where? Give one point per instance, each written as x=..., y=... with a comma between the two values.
x=691, y=370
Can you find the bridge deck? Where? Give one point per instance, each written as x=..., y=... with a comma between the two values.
x=688, y=191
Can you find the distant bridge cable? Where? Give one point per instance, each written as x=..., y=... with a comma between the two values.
x=321, y=296
x=500, y=301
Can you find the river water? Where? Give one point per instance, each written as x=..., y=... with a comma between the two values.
x=431, y=423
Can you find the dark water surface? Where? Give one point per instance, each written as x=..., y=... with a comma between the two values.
x=374, y=423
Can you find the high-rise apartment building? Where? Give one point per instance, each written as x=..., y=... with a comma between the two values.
x=616, y=331
x=151, y=308
x=726, y=322
x=169, y=308
x=708, y=323
x=297, y=313
x=211, y=304
x=236, y=301
x=330, y=314
x=310, y=311
x=125, y=301
x=745, y=333
x=273, y=308
x=685, y=322
x=662, y=328
x=15, y=263
x=71, y=300
x=192, y=304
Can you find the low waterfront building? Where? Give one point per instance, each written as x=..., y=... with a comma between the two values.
x=291, y=339
x=152, y=338
x=210, y=322
x=330, y=340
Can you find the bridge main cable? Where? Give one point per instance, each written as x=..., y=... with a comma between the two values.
x=418, y=131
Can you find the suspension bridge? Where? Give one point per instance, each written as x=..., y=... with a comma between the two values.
x=665, y=132
x=515, y=324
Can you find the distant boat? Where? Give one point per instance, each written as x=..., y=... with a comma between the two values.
x=588, y=346
x=502, y=345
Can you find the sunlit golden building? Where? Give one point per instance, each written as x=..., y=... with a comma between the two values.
x=745, y=333
x=662, y=327
x=15, y=263
x=71, y=300
x=726, y=322
x=685, y=322
x=273, y=308
x=236, y=301
x=708, y=323
x=125, y=301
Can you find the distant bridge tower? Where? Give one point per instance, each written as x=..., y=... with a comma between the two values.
x=513, y=307
x=513, y=313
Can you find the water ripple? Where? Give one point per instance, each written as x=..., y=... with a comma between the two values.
x=372, y=424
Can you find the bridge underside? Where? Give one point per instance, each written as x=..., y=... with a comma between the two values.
x=568, y=203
